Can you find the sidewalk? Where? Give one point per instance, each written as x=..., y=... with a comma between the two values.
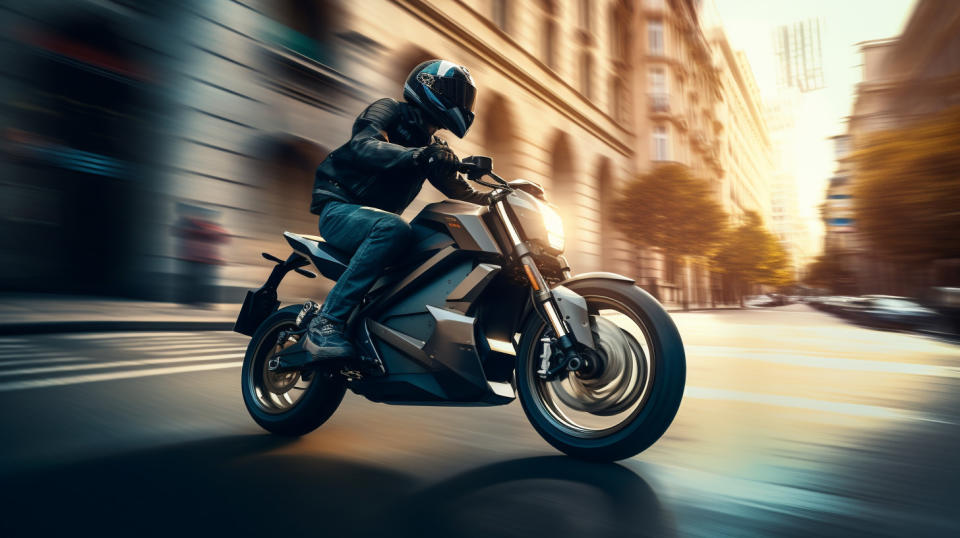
x=44, y=314
x=27, y=314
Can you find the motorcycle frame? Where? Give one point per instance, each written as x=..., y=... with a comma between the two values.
x=431, y=325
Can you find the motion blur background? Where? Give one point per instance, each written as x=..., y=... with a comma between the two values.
x=147, y=140
x=732, y=156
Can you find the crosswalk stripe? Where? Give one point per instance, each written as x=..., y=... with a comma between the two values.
x=115, y=364
x=817, y=360
x=168, y=342
x=33, y=354
x=843, y=408
x=183, y=346
x=177, y=352
x=109, y=376
x=42, y=360
x=147, y=334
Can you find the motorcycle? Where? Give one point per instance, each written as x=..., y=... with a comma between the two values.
x=483, y=309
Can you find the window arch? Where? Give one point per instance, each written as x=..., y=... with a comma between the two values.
x=549, y=42
x=586, y=75
x=500, y=14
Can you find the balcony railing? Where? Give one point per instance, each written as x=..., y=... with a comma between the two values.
x=659, y=103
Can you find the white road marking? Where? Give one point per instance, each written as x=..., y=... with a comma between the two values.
x=146, y=334
x=843, y=408
x=173, y=350
x=42, y=360
x=116, y=364
x=4, y=357
x=823, y=361
x=110, y=376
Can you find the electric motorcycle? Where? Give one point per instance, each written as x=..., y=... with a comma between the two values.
x=482, y=310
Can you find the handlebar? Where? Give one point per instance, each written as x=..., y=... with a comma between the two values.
x=477, y=167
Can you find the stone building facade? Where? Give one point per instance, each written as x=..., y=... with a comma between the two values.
x=245, y=97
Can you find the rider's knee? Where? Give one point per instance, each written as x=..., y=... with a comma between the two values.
x=395, y=228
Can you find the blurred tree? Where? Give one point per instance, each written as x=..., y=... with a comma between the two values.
x=829, y=271
x=907, y=190
x=670, y=209
x=750, y=254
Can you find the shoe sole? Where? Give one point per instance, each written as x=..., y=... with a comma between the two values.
x=328, y=352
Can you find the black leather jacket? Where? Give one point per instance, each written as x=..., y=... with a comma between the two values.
x=378, y=167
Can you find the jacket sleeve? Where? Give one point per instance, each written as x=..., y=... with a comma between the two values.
x=369, y=146
x=457, y=188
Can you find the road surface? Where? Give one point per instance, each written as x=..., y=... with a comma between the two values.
x=794, y=423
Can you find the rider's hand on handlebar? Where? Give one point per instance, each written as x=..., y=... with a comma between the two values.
x=438, y=161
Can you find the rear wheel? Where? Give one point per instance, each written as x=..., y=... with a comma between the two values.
x=627, y=396
x=286, y=403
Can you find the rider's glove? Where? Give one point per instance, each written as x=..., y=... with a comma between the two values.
x=437, y=161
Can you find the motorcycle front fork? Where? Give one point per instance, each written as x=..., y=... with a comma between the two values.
x=560, y=351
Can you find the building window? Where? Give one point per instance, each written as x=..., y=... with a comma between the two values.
x=617, y=45
x=618, y=99
x=655, y=37
x=658, y=81
x=550, y=42
x=500, y=14
x=586, y=75
x=585, y=18
x=660, y=144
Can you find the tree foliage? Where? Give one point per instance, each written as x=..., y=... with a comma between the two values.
x=829, y=271
x=752, y=254
x=907, y=190
x=670, y=209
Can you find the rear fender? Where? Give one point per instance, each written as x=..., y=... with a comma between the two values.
x=260, y=303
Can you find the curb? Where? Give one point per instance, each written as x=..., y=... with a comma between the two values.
x=49, y=327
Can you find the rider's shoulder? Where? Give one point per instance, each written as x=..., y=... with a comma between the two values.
x=381, y=110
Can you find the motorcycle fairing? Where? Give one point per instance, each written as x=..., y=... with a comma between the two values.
x=463, y=221
x=427, y=340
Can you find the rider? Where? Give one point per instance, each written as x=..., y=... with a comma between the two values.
x=361, y=187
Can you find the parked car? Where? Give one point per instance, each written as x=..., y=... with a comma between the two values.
x=891, y=311
x=769, y=299
x=836, y=304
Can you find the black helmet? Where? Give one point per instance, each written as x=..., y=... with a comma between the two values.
x=444, y=91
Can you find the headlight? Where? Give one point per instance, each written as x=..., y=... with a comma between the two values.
x=554, y=226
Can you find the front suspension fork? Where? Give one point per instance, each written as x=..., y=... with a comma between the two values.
x=545, y=305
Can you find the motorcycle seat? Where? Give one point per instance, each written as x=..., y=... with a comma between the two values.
x=330, y=261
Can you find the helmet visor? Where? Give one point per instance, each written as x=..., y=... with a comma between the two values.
x=455, y=92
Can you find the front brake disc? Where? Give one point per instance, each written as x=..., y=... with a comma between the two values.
x=615, y=387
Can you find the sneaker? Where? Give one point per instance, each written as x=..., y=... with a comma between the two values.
x=326, y=340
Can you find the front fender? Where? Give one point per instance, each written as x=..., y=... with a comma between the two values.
x=597, y=274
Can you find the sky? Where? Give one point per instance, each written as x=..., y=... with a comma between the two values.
x=749, y=25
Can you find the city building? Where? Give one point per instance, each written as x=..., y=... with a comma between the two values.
x=786, y=221
x=229, y=106
x=908, y=79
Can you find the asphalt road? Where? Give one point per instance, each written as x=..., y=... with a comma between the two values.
x=794, y=423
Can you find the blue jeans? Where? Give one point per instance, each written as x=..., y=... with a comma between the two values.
x=374, y=238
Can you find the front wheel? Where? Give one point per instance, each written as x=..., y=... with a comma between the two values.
x=628, y=397
x=286, y=403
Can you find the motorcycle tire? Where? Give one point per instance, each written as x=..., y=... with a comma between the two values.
x=314, y=407
x=660, y=399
